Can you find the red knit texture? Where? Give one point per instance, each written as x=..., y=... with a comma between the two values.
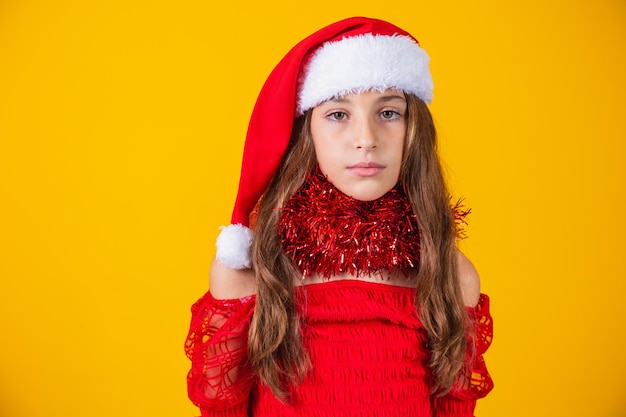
x=367, y=347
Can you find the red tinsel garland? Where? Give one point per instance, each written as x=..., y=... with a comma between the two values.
x=327, y=232
x=460, y=213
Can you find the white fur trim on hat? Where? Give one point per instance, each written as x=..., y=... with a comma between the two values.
x=233, y=246
x=365, y=63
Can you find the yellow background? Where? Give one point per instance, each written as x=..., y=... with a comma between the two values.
x=121, y=128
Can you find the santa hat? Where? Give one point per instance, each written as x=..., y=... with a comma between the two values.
x=350, y=56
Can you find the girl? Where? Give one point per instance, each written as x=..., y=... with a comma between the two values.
x=337, y=290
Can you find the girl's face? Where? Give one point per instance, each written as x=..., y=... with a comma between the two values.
x=359, y=142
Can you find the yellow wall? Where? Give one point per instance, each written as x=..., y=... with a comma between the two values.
x=121, y=128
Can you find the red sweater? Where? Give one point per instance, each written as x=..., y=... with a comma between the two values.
x=367, y=347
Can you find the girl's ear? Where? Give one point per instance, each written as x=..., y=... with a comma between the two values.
x=233, y=246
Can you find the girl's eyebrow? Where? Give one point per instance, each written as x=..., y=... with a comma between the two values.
x=383, y=99
x=338, y=100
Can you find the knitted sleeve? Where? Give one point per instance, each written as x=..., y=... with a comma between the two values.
x=476, y=383
x=220, y=378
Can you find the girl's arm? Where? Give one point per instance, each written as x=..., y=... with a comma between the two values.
x=470, y=281
x=220, y=378
x=227, y=283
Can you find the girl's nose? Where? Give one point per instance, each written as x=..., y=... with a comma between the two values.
x=365, y=137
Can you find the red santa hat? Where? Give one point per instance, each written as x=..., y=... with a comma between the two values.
x=350, y=56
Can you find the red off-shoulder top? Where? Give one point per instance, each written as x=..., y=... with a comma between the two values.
x=367, y=347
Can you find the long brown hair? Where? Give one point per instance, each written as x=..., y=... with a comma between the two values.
x=275, y=346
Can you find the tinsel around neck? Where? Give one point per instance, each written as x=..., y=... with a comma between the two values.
x=329, y=233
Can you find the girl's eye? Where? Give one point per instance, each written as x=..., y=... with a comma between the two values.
x=337, y=116
x=389, y=114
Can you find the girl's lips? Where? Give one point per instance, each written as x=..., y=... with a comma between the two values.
x=366, y=169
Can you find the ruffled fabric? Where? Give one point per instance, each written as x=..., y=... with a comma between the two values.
x=368, y=354
x=366, y=344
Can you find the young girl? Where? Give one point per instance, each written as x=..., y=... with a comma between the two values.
x=337, y=290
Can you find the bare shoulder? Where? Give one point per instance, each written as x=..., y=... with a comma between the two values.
x=228, y=283
x=469, y=279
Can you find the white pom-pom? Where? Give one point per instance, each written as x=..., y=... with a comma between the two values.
x=233, y=246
